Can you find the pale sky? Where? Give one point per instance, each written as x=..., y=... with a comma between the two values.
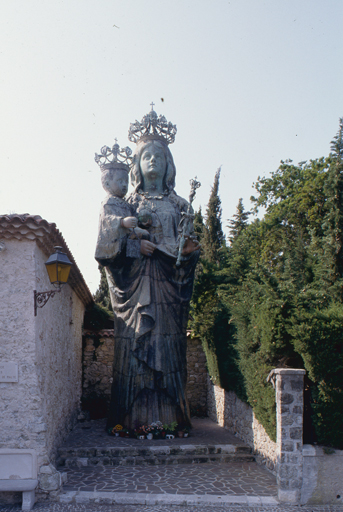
x=247, y=82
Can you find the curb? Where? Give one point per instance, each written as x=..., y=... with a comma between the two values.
x=123, y=498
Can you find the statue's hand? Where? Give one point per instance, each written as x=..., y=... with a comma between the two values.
x=142, y=233
x=147, y=248
x=129, y=222
x=191, y=245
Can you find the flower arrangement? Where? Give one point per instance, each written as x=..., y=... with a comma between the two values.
x=119, y=430
x=155, y=430
x=115, y=431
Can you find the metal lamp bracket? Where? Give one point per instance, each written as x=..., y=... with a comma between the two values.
x=41, y=298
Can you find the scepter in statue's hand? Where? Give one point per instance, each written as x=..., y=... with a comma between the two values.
x=187, y=219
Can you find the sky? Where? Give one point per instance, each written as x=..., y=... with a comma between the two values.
x=247, y=82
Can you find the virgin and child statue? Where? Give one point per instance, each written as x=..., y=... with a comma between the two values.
x=150, y=275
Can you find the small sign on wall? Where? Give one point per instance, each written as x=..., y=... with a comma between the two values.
x=8, y=372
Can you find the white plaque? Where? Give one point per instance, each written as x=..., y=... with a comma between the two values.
x=8, y=372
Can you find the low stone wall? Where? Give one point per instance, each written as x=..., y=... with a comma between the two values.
x=322, y=476
x=97, y=369
x=196, y=377
x=226, y=409
x=98, y=356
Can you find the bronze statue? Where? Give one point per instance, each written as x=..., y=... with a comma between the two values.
x=150, y=294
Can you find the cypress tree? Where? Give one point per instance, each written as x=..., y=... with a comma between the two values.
x=239, y=221
x=213, y=239
x=102, y=295
x=100, y=314
x=199, y=224
x=210, y=316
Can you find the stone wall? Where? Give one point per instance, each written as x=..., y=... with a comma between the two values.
x=97, y=369
x=322, y=476
x=98, y=355
x=226, y=409
x=38, y=411
x=58, y=355
x=20, y=404
x=196, y=377
x=289, y=387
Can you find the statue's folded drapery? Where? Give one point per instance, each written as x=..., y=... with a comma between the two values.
x=150, y=298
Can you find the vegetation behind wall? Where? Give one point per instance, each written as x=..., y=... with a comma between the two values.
x=273, y=298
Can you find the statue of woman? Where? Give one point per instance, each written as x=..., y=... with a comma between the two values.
x=150, y=297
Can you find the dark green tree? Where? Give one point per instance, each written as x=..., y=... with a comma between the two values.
x=100, y=315
x=213, y=237
x=286, y=299
x=333, y=223
x=199, y=224
x=317, y=321
x=102, y=295
x=239, y=221
x=209, y=315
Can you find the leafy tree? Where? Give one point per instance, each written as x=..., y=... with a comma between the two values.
x=333, y=223
x=282, y=285
x=316, y=322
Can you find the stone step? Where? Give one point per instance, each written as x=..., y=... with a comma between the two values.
x=153, y=455
x=164, y=500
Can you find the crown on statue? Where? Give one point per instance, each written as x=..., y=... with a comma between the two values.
x=116, y=157
x=152, y=127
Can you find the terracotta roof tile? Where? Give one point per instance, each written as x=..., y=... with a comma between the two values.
x=33, y=227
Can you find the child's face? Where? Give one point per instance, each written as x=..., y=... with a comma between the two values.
x=118, y=183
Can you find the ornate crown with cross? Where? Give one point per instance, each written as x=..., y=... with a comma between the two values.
x=114, y=157
x=152, y=127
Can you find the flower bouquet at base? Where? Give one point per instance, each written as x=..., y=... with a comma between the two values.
x=139, y=432
x=116, y=430
x=157, y=429
x=119, y=431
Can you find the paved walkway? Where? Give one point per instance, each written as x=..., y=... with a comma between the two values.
x=237, y=486
x=242, y=483
x=238, y=478
x=93, y=433
x=76, y=507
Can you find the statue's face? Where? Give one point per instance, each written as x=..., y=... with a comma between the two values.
x=118, y=183
x=153, y=162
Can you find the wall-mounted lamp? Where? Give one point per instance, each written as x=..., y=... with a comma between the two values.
x=58, y=268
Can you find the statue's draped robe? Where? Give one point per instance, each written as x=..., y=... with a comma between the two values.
x=150, y=298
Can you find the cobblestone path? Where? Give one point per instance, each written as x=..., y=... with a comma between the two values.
x=245, y=478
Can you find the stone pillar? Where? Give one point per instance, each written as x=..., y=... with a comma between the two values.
x=289, y=387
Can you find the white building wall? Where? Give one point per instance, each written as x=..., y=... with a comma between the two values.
x=58, y=337
x=21, y=403
x=38, y=411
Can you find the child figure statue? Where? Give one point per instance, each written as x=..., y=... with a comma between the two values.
x=117, y=221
